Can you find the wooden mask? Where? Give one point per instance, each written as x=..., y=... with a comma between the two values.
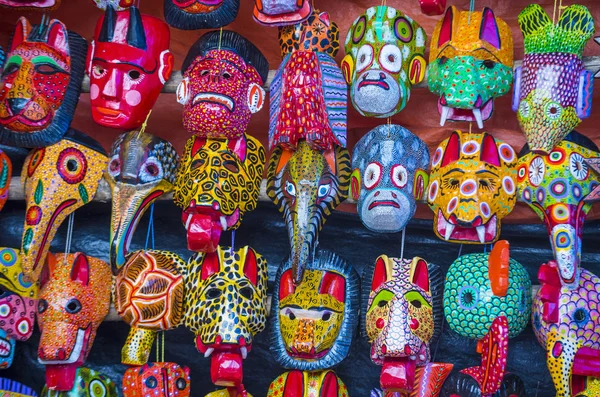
x=281, y=12
x=200, y=14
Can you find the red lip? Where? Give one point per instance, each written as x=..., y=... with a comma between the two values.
x=389, y=203
x=308, y=356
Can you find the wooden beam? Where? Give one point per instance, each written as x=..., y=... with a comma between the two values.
x=591, y=64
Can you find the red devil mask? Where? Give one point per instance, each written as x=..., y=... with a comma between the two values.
x=128, y=63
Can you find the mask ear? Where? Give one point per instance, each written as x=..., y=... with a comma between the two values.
x=22, y=29
x=48, y=269
x=58, y=38
x=256, y=97
x=183, y=93
x=348, y=68
x=516, y=98
x=355, y=184
x=452, y=152
x=489, y=151
x=210, y=265
x=286, y=284
x=584, y=94
x=416, y=69
x=489, y=28
x=324, y=17
x=239, y=147
x=250, y=267
x=166, y=66
x=382, y=271
x=498, y=266
x=420, y=184
x=446, y=29
x=90, y=57
x=419, y=273
x=335, y=285
x=80, y=271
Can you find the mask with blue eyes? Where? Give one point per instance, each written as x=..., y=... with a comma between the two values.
x=141, y=168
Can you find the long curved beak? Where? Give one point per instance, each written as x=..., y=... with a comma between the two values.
x=303, y=232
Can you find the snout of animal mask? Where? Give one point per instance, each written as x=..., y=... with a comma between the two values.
x=157, y=379
x=470, y=64
x=472, y=187
x=306, y=186
x=313, y=323
x=88, y=383
x=556, y=186
x=217, y=182
x=74, y=299
x=384, y=59
x=390, y=173
x=552, y=91
x=308, y=383
x=58, y=179
x=141, y=168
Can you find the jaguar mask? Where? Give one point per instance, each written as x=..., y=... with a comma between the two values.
x=281, y=12
x=141, y=168
x=384, y=58
x=470, y=64
x=40, y=84
x=74, y=299
x=555, y=187
x=18, y=305
x=217, y=182
x=313, y=323
x=149, y=294
x=552, y=90
x=200, y=14
x=128, y=63
x=471, y=187
x=308, y=383
x=223, y=74
x=225, y=307
x=306, y=186
x=157, y=379
x=308, y=93
x=88, y=383
x=403, y=313
x=390, y=173
x=58, y=180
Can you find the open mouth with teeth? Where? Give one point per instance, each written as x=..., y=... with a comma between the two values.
x=214, y=98
x=61, y=371
x=204, y=225
x=480, y=111
x=6, y=347
x=478, y=232
x=225, y=360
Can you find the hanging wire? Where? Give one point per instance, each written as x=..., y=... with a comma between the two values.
x=69, y=238
x=402, y=246
x=220, y=37
x=232, y=250
x=471, y=9
x=150, y=232
x=141, y=131
x=460, y=251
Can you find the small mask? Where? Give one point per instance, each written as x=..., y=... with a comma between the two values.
x=200, y=14
x=223, y=75
x=141, y=168
x=432, y=7
x=10, y=388
x=308, y=94
x=225, y=307
x=384, y=58
x=31, y=5
x=390, y=174
x=58, y=180
x=149, y=293
x=217, y=182
x=88, y=383
x=307, y=383
x=74, y=299
x=555, y=187
x=128, y=63
x=471, y=187
x=566, y=321
x=281, y=12
x=307, y=186
x=118, y=5
x=313, y=323
x=36, y=115
x=552, y=90
x=470, y=64
x=157, y=379
x=403, y=313
x=5, y=175
x=18, y=305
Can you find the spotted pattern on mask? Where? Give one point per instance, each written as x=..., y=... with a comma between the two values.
x=157, y=380
x=308, y=384
x=88, y=383
x=317, y=33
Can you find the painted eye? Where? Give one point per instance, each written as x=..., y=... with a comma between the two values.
x=181, y=384
x=537, y=169
x=524, y=109
x=403, y=29
x=442, y=60
x=134, y=74
x=231, y=166
x=290, y=314
x=114, y=167
x=390, y=58
x=553, y=110
x=71, y=165
x=42, y=305
x=290, y=188
x=204, y=72
x=47, y=68
x=326, y=316
x=226, y=75
x=150, y=171
x=4, y=310
x=489, y=64
x=73, y=306
x=468, y=298
x=416, y=303
x=23, y=327
x=372, y=175
x=11, y=68
x=97, y=388
x=197, y=164
x=213, y=293
x=247, y=292
x=399, y=176
x=578, y=167
x=364, y=57
x=98, y=71
x=151, y=382
x=580, y=316
x=323, y=190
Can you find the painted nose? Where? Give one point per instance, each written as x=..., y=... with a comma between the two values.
x=16, y=105
x=304, y=340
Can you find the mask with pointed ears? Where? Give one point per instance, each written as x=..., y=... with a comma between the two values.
x=200, y=14
x=74, y=299
x=470, y=64
x=157, y=379
x=471, y=187
x=88, y=383
x=128, y=63
x=217, y=182
x=41, y=82
x=281, y=12
x=141, y=168
x=313, y=323
x=555, y=186
x=552, y=91
x=390, y=174
x=308, y=383
x=384, y=59
x=306, y=186
x=58, y=180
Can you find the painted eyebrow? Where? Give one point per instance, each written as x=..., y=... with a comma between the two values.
x=13, y=59
x=454, y=170
x=127, y=63
x=487, y=172
x=44, y=59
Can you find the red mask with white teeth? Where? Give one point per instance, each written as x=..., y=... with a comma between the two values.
x=472, y=187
